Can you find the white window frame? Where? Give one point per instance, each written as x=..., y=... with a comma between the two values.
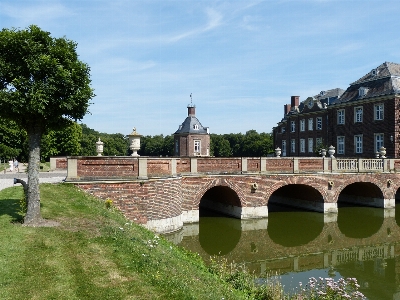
x=197, y=146
x=292, y=126
x=340, y=116
x=310, y=145
x=310, y=124
x=319, y=123
x=378, y=112
x=358, y=143
x=283, y=129
x=340, y=145
x=358, y=114
x=292, y=146
x=283, y=147
x=302, y=125
x=176, y=147
x=378, y=141
x=302, y=146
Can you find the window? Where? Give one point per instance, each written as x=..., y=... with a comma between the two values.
x=358, y=143
x=283, y=148
x=310, y=145
x=196, y=127
x=196, y=146
x=292, y=126
x=177, y=147
x=340, y=144
x=318, y=142
x=302, y=125
x=292, y=146
x=302, y=146
x=358, y=114
x=310, y=124
x=378, y=111
x=362, y=91
x=340, y=116
x=319, y=123
x=378, y=141
x=283, y=129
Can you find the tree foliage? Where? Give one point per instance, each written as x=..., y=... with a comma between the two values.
x=115, y=144
x=251, y=144
x=43, y=87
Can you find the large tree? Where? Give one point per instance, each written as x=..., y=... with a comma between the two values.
x=43, y=86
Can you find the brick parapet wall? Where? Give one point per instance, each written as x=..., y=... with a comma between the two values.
x=107, y=167
x=61, y=163
x=219, y=165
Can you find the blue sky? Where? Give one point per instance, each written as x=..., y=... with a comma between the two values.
x=241, y=60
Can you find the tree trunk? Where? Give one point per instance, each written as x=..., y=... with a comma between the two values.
x=33, y=216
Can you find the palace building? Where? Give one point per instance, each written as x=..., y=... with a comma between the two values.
x=357, y=121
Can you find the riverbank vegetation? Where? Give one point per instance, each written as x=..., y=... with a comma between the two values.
x=93, y=252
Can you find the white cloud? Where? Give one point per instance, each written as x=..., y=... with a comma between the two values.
x=26, y=13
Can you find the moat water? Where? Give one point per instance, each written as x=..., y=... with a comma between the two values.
x=294, y=245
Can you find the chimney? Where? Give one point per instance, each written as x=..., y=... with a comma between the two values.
x=191, y=110
x=286, y=109
x=295, y=100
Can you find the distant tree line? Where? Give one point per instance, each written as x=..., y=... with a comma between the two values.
x=79, y=139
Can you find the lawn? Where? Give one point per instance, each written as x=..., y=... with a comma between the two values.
x=95, y=253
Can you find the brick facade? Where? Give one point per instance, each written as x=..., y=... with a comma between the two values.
x=321, y=121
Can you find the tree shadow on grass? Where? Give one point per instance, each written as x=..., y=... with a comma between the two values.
x=11, y=207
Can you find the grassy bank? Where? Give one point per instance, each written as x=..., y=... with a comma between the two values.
x=94, y=254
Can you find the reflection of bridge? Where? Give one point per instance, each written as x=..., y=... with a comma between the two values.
x=259, y=245
x=164, y=193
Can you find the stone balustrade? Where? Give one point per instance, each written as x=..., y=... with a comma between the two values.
x=98, y=168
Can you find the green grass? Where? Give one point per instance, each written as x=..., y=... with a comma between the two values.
x=95, y=253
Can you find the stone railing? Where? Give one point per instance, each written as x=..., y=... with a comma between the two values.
x=104, y=168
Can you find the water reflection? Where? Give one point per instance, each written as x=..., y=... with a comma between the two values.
x=359, y=222
x=362, y=243
x=290, y=227
x=218, y=235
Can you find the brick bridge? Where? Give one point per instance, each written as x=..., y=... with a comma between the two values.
x=163, y=193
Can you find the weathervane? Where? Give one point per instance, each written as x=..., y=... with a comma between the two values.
x=191, y=100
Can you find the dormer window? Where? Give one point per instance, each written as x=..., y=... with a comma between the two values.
x=310, y=104
x=322, y=93
x=196, y=127
x=374, y=72
x=362, y=91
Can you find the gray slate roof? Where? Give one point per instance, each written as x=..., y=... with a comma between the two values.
x=384, y=80
x=189, y=125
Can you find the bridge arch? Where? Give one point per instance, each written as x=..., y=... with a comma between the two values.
x=362, y=193
x=298, y=194
x=222, y=196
